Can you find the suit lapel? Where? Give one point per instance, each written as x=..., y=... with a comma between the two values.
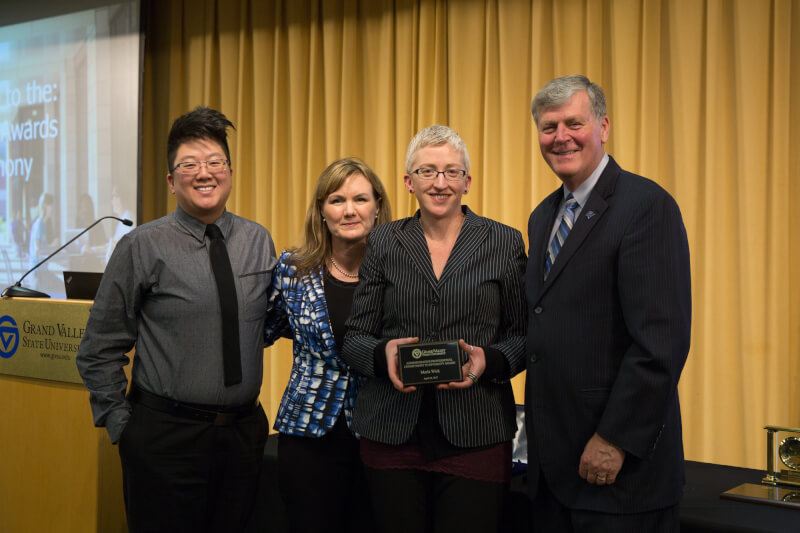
x=317, y=302
x=470, y=238
x=412, y=240
x=591, y=214
x=540, y=236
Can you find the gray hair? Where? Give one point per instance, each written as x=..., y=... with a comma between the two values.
x=559, y=90
x=435, y=135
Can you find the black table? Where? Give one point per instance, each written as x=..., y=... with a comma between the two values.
x=702, y=509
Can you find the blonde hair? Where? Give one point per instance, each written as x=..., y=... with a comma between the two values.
x=435, y=135
x=316, y=246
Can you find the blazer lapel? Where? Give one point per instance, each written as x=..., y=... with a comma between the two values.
x=318, y=305
x=590, y=215
x=540, y=238
x=412, y=240
x=470, y=238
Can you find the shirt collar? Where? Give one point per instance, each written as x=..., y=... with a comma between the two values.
x=198, y=229
x=581, y=194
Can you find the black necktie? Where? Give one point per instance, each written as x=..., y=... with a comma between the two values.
x=226, y=287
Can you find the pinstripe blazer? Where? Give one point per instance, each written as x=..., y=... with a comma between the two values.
x=608, y=335
x=479, y=297
x=320, y=385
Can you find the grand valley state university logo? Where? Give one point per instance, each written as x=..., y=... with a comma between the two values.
x=9, y=337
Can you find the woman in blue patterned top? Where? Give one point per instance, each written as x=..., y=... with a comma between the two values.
x=320, y=474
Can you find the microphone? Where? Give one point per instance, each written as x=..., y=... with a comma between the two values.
x=18, y=291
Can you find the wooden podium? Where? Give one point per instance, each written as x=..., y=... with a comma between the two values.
x=57, y=471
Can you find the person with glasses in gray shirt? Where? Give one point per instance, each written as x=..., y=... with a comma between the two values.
x=189, y=291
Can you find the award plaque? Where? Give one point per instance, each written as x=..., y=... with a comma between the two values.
x=431, y=362
x=781, y=483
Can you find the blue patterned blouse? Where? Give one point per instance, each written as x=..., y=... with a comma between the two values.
x=320, y=385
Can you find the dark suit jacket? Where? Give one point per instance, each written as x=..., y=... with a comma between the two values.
x=608, y=335
x=479, y=298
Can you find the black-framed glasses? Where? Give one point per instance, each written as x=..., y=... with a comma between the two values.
x=193, y=167
x=451, y=174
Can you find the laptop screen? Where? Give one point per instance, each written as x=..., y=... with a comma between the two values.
x=81, y=285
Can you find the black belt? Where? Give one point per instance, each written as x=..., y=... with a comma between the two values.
x=218, y=415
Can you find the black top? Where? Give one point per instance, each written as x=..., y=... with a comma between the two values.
x=339, y=295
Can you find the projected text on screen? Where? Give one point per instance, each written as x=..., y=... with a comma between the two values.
x=69, y=118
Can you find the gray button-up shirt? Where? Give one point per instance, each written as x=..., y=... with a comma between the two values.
x=158, y=294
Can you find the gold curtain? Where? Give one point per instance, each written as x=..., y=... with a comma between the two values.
x=702, y=98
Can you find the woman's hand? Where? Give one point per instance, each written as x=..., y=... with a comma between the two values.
x=393, y=364
x=472, y=370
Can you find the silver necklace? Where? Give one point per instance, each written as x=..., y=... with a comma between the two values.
x=342, y=271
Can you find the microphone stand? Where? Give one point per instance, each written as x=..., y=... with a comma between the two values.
x=18, y=291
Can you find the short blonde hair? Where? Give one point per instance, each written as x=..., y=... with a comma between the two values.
x=435, y=135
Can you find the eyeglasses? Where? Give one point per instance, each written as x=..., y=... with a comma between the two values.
x=451, y=174
x=193, y=167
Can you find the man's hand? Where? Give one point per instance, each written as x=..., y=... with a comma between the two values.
x=601, y=461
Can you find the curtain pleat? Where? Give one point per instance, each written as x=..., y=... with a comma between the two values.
x=702, y=97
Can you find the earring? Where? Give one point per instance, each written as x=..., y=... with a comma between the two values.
x=466, y=191
x=376, y=214
x=411, y=191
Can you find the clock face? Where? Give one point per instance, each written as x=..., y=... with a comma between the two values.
x=789, y=452
x=792, y=497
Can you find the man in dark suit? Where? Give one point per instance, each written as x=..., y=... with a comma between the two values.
x=609, y=319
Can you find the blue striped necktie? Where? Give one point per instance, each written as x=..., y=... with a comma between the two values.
x=561, y=235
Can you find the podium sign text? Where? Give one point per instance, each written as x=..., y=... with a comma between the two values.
x=40, y=338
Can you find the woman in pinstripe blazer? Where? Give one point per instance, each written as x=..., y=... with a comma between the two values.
x=319, y=469
x=436, y=453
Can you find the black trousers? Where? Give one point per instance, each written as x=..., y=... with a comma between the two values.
x=322, y=483
x=550, y=516
x=406, y=500
x=186, y=475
